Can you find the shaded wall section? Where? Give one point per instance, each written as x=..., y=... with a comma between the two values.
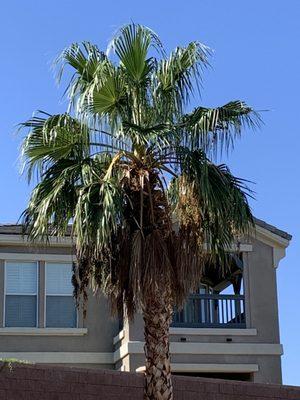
x=37, y=382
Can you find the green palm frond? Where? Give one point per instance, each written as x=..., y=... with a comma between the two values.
x=183, y=68
x=177, y=75
x=131, y=44
x=89, y=65
x=97, y=217
x=154, y=137
x=109, y=98
x=211, y=195
x=53, y=201
x=83, y=58
x=217, y=128
x=51, y=138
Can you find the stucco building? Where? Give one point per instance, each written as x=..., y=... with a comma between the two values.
x=229, y=328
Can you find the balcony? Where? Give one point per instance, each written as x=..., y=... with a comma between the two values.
x=212, y=311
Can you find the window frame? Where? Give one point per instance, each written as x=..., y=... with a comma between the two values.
x=56, y=295
x=36, y=294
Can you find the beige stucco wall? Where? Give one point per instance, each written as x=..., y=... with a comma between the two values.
x=262, y=314
x=101, y=326
x=260, y=296
x=261, y=307
x=36, y=249
x=269, y=366
x=261, y=292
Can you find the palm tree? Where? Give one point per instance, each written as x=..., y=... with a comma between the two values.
x=132, y=170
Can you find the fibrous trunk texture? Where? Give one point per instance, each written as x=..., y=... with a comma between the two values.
x=157, y=314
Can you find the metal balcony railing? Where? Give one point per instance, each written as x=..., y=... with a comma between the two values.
x=212, y=311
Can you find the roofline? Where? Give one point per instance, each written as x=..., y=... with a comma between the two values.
x=272, y=229
x=262, y=229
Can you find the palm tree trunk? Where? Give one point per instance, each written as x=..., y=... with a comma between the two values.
x=157, y=315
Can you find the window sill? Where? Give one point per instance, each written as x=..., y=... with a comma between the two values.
x=43, y=331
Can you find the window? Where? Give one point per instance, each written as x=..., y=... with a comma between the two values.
x=60, y=306
x=21, y=294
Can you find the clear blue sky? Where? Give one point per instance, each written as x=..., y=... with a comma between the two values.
x=256, y=58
